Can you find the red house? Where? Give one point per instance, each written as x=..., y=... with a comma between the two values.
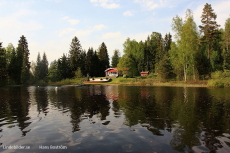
x=111, y=72
x=144, y=73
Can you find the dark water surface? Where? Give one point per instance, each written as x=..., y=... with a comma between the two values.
x=109, y=119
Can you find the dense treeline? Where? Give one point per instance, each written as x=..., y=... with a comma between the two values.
x=15, y=65
x=79, y=63
x=195, y=53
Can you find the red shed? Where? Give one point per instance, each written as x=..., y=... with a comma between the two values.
x=144, y=73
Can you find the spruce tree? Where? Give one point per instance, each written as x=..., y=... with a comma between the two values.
x=3, y=70
x=83, y=63
x=89, y=62
x=44, y=67
x=63, y=68
x=115, y=58
x=104, y=58
x=23, y=64
x=75, y=54
x=38, y=68
x=209, y=26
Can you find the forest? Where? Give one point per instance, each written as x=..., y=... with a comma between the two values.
x=195, y=52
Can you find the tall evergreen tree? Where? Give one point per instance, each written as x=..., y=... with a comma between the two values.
x=44, y=67
x=89, y=60
x=92, y=63
x=3, y=68
x=23, y=64
x=104, y=58
x=209, y=26
x=41, y=69
x=167, y=42
x=83, y=63
x=75, y=54
x=115, y=58
x=63, y=68
x=38, y=68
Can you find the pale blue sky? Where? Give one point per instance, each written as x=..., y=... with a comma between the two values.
x=50, y=25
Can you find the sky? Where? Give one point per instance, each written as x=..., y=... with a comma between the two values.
x=50, y=25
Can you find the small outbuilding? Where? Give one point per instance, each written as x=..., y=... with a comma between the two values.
x=144, y=73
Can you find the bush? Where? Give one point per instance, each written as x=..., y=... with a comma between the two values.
x=219, y=82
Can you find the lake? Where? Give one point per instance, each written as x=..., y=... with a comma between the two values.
x=102, y=119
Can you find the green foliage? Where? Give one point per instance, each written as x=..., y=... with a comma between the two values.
x=3, y=67
x=78, y=73
x=164, y=68
x=52, y=71
x=115, y=58
x=63, y=68
x=75, y=52
x=41, y=68
x=12, y=66
x=220, y=79
x=23, y=64
x=182, y=54
x=127, y=67
x=209, y=26
x=93, y=63
x=226, y=45
x=104, y=59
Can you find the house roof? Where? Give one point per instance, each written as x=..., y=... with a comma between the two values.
x=111, y=69
x=145, y=72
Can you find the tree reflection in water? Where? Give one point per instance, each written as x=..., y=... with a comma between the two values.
x=14, y=110
x=159, y=119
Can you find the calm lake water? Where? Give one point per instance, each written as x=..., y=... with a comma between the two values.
x=115, y=119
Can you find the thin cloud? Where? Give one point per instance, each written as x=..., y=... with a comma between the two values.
x=109, y=4
x=127, y=13
x=149, y=4
x=111, y=35
x=66, y=31
x=99, y=27
x=71, y=21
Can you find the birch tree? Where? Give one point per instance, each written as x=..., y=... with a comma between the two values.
x=183, y=53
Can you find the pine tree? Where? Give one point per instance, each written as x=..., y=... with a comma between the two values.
x=115, y=58
x=104, y=58
x=209, y=26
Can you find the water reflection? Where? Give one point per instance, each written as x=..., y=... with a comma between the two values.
x=121, y=118
x=14, y=109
